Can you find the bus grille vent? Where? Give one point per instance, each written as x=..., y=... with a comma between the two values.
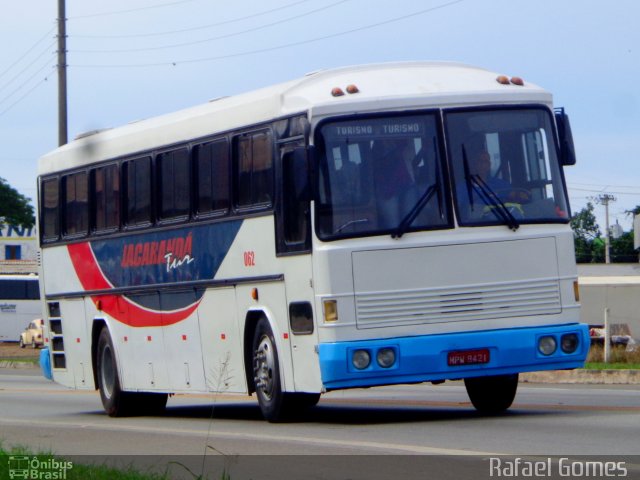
x=428, y=306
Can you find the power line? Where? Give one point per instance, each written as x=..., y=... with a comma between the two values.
x=119, y=12
x=603, y=189
x=26, y=94
x=22, y=57
x=193, y=29
x=277, y=47
x=186, y=44
x=35, y=74
x=15, y=77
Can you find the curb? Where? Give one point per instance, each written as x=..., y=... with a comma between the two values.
x=20, y=365
x=597, y=377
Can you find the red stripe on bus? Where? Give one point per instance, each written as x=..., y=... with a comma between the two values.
x=117, y=306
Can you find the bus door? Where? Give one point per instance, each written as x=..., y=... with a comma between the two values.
x=293, y=247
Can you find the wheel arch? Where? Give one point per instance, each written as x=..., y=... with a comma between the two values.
x=251, y=321
x=96, y=328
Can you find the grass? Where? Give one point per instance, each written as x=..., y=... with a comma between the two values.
x=31, y=360
x=620, y=359
x=48, y=465
x=53, y=466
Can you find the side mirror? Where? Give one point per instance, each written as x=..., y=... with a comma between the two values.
x=565, y=137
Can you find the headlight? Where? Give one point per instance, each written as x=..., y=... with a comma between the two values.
x=330, y=310
x=569, y=343
x=547, y=345
x=386, y=357
x=361, y=359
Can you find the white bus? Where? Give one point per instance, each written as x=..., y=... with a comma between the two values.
x=19, y=305
x=363, y=226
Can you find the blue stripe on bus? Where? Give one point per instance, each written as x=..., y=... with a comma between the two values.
x=425, y=358
x=171, y=256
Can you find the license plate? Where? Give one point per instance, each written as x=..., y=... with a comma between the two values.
x=468, y=357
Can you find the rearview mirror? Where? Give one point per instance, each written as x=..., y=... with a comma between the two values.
x=565, y=138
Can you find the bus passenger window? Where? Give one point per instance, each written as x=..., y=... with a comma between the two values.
x=254, y=176
x=174, y=183
x=212, y=177
x=50, y=210
x=106, y=204
x=137, y=176
x=76, y=204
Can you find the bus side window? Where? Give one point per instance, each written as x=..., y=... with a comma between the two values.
x=212, y=177
x=106, y=204
x=174, y=184
x=254, y=175
x=295, y=196
x=76, y=204
x=137, y=179
x=50, y=209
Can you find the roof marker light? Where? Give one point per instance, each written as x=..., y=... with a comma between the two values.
x=517, y=81
x=502, y=79
x=352, y=88
x=337, y=92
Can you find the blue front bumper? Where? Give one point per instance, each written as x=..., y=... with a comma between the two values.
x=425, y=358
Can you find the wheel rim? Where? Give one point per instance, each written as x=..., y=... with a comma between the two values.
x=264, y=367
x=107, y=371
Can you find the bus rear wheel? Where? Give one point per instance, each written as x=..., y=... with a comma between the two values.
x=116, y=402
x=492, y=395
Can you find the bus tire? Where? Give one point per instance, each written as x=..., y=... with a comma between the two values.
x=492, y=395
x=115, y=402
x=266, y=373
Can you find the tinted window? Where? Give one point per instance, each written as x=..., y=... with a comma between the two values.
x=76, y=204
x=137, y=175
x=50, y=198
x=19, y=290
x=212, y=173
x=106, y=207
x=380, y=175
x=174, y=182
x=505, y=167
x=254, y=160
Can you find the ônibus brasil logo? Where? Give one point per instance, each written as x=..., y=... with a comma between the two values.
x=32, y=467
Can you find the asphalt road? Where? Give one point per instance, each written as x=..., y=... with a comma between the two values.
x=437, y=423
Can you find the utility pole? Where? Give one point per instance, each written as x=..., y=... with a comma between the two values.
x=604, y=199
x=62, y=74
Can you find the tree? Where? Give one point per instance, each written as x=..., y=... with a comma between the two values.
x=15, y=208
x=585, y=231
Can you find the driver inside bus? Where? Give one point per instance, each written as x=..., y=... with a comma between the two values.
x=394, y=179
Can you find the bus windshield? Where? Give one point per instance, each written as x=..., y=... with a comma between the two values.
x=505, y=168
x=381, y=175
x=384, y=175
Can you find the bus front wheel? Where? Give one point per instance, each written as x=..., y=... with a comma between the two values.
x=266, y=372
x=275, y=404
x=493, y=394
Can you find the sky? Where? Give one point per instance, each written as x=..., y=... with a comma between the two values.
x=134, y=59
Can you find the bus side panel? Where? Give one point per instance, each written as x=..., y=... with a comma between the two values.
x=299, y=284
x=183, y=354
x=74, y=345
x=221, y=339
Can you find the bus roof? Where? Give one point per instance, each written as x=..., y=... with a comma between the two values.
x=380, y=86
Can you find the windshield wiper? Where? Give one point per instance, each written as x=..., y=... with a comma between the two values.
x=487, y=195
x=413, y=213
x=424, y=199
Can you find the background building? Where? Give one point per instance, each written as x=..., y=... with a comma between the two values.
x=19, y=251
